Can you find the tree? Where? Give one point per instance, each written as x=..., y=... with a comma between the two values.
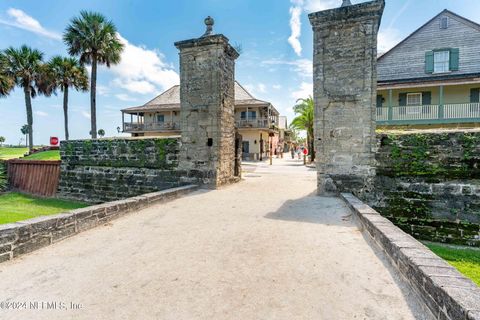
x=24, y=67
x=6, y=82
x=304, y=109
x=101, y=133
x=2, y=140
x=94, y=40
x=24, y=130
x=64, y=73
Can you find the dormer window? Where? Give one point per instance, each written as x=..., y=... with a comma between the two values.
x=444, y=23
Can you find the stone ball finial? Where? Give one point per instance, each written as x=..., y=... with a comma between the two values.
x=209, y=22
x=346, y=3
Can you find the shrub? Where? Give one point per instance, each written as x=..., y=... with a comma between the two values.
x=3, y=177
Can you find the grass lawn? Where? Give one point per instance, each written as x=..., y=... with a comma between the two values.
x=12, y=153
x=17, y=207
x=466, y=260
x=45, y=155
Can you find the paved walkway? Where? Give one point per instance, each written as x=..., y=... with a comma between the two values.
x=265, y=248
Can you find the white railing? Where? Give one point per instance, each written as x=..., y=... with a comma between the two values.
x=461, y=111
x=252, y=123
x=433, y=113
x=161, y=126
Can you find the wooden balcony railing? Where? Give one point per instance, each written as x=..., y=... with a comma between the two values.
x=253, y=123
x=161, y=126
x=429, y=114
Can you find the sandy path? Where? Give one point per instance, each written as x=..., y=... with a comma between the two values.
x=266, y=248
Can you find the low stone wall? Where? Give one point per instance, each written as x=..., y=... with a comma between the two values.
x=443, y=290
x=105, y=170
x=429, y=184
x=27, y=236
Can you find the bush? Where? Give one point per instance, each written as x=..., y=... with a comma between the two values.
x=3, y=177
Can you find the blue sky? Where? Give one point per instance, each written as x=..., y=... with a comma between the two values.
x=275, y=37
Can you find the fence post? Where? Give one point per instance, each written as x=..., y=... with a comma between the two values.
x=390, y=106
x=441, y=111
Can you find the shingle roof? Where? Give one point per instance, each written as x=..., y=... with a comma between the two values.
x=170, y=100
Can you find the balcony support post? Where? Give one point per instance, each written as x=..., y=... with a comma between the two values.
x=390, y=104
x=123, y=121
x=441, y=108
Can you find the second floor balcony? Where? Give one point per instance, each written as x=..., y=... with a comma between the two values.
x=253, y=123
x=429, y=114
x=147, y=127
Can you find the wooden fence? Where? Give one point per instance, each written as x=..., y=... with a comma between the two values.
x=35, y=177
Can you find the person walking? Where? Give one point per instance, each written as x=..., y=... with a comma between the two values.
x=292, y=151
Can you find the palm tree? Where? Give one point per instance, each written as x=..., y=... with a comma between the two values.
x=63, y=73
x=6, y=82
x=94, y=40
x=304, y=109
x=24, y=67
x=24, y=131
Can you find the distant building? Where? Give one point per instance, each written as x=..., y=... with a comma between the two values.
x=257, y=120
x=433, y=76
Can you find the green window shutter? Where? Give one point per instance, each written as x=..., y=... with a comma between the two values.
x=402, y=99
x=429, y=62
x=454, y=59
x=379, y=101
x=475, y=95
x=426, y=98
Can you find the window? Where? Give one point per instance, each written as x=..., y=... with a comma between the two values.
x=251, y=115
x=414, y=99
x=160, y=118
x=441, y=61
x=444, y=23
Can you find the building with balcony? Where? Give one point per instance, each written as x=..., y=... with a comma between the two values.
x=256, y=120
x=432, y=77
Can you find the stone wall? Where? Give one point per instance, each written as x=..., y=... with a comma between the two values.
x=111, y=169
x=443, y=291
x=429, y=184
x=344, y=73
x=26, y=236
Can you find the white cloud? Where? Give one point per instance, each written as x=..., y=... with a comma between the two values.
x=387, y=39
x=296, y=28
x=262, y=88
x=142, y=70
x=319, y=5
x=41, y=113
x=86, y=114
x=124, y=97
x=305, y=90
x=23, y=21
x=303, y=67
x=103, y=90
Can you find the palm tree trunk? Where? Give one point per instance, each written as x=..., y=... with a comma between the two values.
x=93, y=101
x=28, y=104
x=65, y=110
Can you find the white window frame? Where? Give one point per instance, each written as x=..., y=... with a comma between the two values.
x=442, y=66
x=411, y=106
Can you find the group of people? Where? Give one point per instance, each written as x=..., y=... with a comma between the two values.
x=296, y=150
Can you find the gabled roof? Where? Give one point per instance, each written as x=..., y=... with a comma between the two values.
x=445, y=11
x=170, y=100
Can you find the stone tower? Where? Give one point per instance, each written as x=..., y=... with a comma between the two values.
x=207, y=98
x=345, y=79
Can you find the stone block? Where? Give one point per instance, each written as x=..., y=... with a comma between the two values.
x=32, y=244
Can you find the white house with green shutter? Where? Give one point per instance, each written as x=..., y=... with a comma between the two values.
x=432, y=77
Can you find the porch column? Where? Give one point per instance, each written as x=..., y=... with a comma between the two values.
x=123, y=121
x=390, y=104
x=247, y=115
x=441, y=103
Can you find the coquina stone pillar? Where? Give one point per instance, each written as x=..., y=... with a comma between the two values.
x=345, y=79
x=207, y=84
